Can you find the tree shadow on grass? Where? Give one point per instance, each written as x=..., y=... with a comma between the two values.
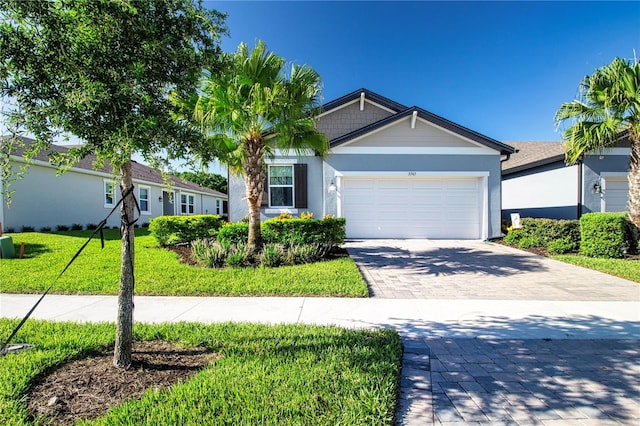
x=32, y=250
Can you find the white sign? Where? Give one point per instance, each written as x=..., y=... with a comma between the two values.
x=515, y=221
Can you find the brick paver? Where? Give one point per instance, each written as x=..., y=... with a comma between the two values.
x=450, y=269
x=487, y=381
x=520, y=382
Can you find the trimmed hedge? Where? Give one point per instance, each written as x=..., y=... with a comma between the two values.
x=606, y=235
x=557, y=236
x=233, y=234
x=330, y=232
x=170, y=230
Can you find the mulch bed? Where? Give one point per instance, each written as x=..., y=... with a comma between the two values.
x=88, y=387
x=184, y=254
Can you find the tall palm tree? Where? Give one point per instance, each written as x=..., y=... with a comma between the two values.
x=253, y=108
x=608, y=107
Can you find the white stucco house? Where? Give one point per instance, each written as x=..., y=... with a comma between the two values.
x=536, y=181
x=83, y=195
x=392, y=171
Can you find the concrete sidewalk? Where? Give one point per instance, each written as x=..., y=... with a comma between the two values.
x=413, y=318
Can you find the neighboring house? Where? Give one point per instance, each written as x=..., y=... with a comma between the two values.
x=392, y=172
x=536, y=182
x=83, y=195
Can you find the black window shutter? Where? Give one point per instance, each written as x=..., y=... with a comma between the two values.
x=300, y=180
x=265, y=192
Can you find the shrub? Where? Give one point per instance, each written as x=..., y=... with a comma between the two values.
x=562, y=246
x=62, y=228
x=169, y=230
x=28, y=229
x=284, y=216
x=604, y=235
x=513, y=237
x=272, y=255
x=299, y=254
x=335, y=229
x=91, y=226
x=234, y=233
x=543, y=232
x=76, y=227
x=306, y=215
x=304, y=231
x=209, y=253
x=45, y=229
x=239, y=256
x=529, y=242
x=10, y=230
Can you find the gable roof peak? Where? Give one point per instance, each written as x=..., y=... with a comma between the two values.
x=368, y=95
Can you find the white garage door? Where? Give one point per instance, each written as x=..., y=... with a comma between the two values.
x=616, y=193
x=412, y=208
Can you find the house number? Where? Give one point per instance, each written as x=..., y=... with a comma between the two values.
x=412, y=173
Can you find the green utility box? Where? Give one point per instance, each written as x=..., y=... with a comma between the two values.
x=6, y=247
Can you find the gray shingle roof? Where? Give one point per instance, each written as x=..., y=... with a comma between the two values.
x=532, y=154
x=139, y=171
x=535, y=154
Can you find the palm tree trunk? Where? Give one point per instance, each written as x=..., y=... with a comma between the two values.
x=124, y=324
x=634, y=181
x=254, y=177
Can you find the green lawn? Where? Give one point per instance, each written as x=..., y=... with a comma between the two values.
x=628, y=269
x=284, y=375
x=159, y=272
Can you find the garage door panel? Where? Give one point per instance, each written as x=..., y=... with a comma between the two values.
x=412, y=208
x=616, y=194
x=470, y=207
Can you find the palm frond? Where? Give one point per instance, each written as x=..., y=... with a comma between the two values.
x=589, y=136
x=609, y=104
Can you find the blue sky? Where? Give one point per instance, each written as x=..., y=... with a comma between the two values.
x=499, y=68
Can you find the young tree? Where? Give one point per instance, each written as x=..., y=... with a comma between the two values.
x=608, y=107
x=103, y=70
x=253, y=108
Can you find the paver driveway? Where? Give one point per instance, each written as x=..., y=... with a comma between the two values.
x=520, y=381
x=466, y=269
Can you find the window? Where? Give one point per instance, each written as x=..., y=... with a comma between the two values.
x=187, y=204
x=108, y=193
x=143, y=198
x=281, y=186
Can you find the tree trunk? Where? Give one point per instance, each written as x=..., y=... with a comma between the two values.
x=634, y=181
x=254, y=177
x=124, y=324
